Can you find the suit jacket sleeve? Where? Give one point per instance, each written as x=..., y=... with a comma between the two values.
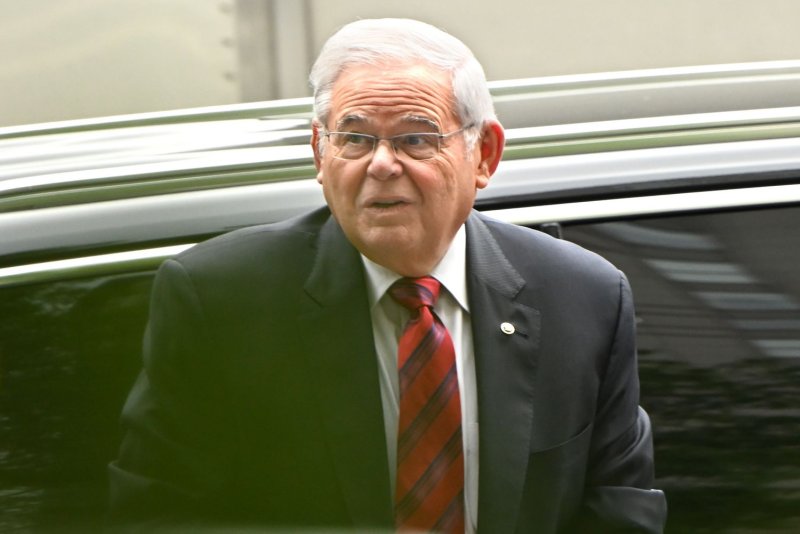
x=172, y=457
x=620, y=473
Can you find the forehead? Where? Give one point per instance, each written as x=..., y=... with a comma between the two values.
x=386, y=94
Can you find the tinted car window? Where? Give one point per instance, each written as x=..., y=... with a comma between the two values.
x=718, y=309
x=69, y=352
x=718, y=305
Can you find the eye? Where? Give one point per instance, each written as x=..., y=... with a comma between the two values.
x=417, y=140
x=350, y=138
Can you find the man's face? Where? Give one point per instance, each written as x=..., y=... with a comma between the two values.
x=399, y=212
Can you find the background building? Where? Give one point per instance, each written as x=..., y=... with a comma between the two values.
x=67, y=59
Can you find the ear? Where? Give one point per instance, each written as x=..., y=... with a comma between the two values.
x=315, y=142
x=490, y=147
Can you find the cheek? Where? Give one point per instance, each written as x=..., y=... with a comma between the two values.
x=457, y=179
x=340, y=183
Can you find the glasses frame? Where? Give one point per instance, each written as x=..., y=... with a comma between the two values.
x=392, y=139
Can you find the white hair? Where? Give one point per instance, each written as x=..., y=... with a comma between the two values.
x=374, y=41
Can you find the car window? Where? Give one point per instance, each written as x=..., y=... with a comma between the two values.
x=718, y=311
x=69, y=352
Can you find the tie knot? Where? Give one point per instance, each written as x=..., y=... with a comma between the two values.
x=414, y=293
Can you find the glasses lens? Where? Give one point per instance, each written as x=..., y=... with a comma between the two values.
x=417, y=145
x=351, y=145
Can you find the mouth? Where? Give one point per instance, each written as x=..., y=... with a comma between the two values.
x=386, y=203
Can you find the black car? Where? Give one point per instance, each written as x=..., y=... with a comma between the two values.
x=686, y=179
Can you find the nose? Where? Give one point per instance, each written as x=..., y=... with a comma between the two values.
x=384, y=163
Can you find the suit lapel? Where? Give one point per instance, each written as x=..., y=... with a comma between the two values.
x=505, y=364
x=344, y=375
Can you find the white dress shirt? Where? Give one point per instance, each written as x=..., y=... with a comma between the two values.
x=389, y=320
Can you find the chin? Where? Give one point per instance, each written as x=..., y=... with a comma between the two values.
x=402, y=258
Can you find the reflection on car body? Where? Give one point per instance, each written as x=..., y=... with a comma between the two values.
x=699, y=204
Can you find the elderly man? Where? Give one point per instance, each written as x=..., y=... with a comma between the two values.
x=395, y=360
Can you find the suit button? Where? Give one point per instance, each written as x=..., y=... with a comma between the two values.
x=507, y=328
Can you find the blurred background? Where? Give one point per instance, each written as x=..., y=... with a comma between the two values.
x=70, y=59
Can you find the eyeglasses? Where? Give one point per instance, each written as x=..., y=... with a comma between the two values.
x=417, y=146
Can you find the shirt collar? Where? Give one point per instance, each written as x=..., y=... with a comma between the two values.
x=450, y=272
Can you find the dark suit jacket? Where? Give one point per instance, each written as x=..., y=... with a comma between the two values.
x=259, y=402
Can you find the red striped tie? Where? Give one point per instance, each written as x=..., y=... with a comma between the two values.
x=430, y=461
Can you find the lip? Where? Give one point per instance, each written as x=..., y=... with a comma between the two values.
x=386, y=202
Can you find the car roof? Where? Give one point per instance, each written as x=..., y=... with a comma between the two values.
x=119, y=182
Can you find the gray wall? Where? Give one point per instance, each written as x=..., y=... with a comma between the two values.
x=65, y=59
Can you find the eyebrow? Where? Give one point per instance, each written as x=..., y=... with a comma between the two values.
x=349, y=120
x=419, y=119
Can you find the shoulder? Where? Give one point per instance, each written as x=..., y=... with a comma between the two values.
x=533, y=250
x=264, y=256
x=291, y=238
